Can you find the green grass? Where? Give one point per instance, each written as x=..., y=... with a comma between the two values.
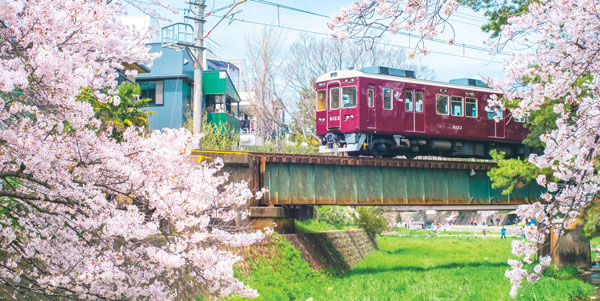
x=312, y=225
x=404, y=231
x=409, y=268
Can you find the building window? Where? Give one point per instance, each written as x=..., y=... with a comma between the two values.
x=441, y=104
x=334, y=98
x=471, y=107
x=388, y=104
x=408, y=101
x=152, y=90
x=457, y=106
x=419, y=102
x=321, y=100
x=371, y=98
x=349, y=97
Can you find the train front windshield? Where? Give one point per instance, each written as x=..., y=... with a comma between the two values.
x=321, y=100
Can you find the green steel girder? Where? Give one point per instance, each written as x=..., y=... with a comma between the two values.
x=322, y=184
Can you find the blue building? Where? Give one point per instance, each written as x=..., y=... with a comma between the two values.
x=169, y=85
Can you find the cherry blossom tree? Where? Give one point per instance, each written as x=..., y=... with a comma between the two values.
x=63, y=231
x=560, y=68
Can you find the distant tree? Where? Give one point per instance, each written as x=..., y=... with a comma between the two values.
x=267, y=85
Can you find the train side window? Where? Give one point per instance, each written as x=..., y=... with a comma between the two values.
x=419, y=102
x=370, y=98
x=388, y=104
x=471, y=107
x=457, y=106
x=492, y=114
x=408, y=101
x=349, y=97
x=441, y=102
x=321, y=100
x=334, y=98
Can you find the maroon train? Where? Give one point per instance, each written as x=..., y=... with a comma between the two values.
x=385, y=112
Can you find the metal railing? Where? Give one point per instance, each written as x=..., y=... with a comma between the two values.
x=242, y=84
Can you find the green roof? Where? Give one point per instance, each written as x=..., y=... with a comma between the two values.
x=218, y=83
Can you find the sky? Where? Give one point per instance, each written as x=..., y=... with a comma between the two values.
x=447, y=61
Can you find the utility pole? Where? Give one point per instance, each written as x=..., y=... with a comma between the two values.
x=198, y=64
x=199, y=17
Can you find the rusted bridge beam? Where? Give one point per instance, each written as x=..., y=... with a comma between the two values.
x=365, y=161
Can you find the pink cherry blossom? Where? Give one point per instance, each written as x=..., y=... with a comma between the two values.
x=87, y=217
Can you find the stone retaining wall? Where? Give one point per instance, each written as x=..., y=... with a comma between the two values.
x=340, y=250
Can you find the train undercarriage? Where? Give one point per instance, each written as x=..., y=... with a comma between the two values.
x=388, y=146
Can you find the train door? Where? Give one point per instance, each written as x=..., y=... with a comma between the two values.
x=419, y=112
x=409, y=110
x=334, y=112
x=371, y=107
x=496, y=128
x=414, y=115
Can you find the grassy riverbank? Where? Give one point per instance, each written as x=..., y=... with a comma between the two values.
x=406, y=268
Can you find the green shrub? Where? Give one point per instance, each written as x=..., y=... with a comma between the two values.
x=371, y=220
x=216, y=136
x=271, y=147
x=337, y=215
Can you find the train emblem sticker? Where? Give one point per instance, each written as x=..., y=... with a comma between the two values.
x=398, y=96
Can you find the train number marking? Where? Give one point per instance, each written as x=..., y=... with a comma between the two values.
x=457, y=127
x=334, y=118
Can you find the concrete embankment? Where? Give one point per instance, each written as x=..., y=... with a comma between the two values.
x=340, y=250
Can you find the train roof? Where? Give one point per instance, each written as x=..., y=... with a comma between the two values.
x=357, y=73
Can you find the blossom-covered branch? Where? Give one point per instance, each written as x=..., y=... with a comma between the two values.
x=83, y=215
x=368, y=20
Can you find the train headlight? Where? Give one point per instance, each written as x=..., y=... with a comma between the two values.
x=348, y=117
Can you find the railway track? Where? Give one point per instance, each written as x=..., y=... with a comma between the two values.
x=368, y=161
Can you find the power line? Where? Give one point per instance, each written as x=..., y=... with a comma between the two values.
x=378, y=43
x=412, y=35
x=290, y=8
x=471, y=17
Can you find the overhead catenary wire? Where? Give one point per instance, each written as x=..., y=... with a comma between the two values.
x=412, y=35
x=463, y=16
x=378, y=43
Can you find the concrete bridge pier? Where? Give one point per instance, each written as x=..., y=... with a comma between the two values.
x=276, y=218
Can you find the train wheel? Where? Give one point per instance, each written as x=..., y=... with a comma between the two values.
x=376, y=153
x=378, y=150
x=354, y=154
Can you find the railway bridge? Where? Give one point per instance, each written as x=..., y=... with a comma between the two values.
x=295, y=183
